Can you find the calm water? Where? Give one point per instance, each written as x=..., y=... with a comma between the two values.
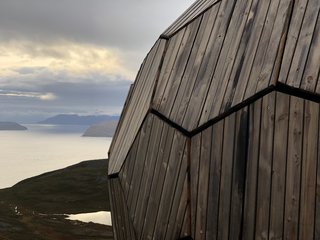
x=45, y=148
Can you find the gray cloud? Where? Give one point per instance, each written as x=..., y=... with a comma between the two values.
x=129, y=24
x=47, y=47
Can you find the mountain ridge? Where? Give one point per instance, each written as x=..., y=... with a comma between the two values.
x=75, y=119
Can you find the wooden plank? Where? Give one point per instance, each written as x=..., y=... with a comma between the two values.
x=181, y=20
x=171, y=184
x=293, y=169
x=264, y=68
x=202, y=197
x=254, y=26
x=208, y=65
x=265, y=166
x=183, y=55
x=131, y=161
x=127, y=226
x=227, y=63
x=303, y=44
x=317, y=205
x=143, y=103
x=214, y=181
x=292, y=38
x=226, y=178
x=252, y=170
x=157, y=182
x=198, y=8
x=117, y=220
x=193, y=65
x=140, y=164
x=311, y=72
x=194, y=178
x=219, y=80
x=239, y=170
x=167, y=67
x=123, y=113
x=309, y=168
x=185, y=230
x=179, y=206
x=113, y=210
x=279, y=166
x=148, y=173
x=126, y=134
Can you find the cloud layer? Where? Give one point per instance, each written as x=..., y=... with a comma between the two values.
x=75, y=56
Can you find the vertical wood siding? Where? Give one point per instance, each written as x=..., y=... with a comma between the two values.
x=136, y=108
x=155, y=182
x=252, y=175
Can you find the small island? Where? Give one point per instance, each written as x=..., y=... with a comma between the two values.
x=11, y=126
x=104, y=129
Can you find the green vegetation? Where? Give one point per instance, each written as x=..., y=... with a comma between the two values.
x=33, y=208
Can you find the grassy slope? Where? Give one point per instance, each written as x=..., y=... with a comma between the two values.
x=75, y=189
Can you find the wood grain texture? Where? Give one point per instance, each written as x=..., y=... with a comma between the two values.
x=160, y=162
x=251, y=184
x=137, y=108
x=309, y=170
x=189, y=15
x=214, y=181
x=280, y=143
x=293, y=176
x=228, y=58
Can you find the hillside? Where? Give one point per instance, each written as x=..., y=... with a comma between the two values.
x=74, y=119
x=11, y=126
x=105, y=129
x=76, y=189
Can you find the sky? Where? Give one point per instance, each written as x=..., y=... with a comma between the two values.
x=75, y=56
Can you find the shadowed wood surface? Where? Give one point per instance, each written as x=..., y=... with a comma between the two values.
x=219, y=137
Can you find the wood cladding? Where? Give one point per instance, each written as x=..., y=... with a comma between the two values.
x=155, y=182
x=252, y=176
x=136, y=108
x=219, y=136
x=224, y=57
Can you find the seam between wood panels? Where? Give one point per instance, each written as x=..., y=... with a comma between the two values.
x=128, y=212
x=286, y=169
x=298, y=37
x=272, y=160
x=258, y=167
x=317, y=172
x=282, y=45
x=164, y=53
x=310, y=45
x=165, y=36
x=302, y=164
x=245, y=169
x=116, y=174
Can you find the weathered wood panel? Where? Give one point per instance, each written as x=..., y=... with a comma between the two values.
x=122, y=225
x=301, y=63
x=160, y=162
x=294, y=162
x=189, y=15
x=228, y=56
x=253, y=174
x=137, y=108
x=249, y=217
x=281, y=124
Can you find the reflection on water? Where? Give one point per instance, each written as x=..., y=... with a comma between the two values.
x=101, y=217
x=45, y=148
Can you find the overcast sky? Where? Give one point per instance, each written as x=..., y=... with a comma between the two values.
x=75, y=56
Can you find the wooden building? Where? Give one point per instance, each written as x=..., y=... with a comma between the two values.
x=219, y=136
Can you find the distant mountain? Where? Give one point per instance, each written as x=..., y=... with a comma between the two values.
x=74, y=119
x=11, y=126
x=105, y=129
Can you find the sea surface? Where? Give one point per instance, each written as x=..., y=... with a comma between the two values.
x=44, y=148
